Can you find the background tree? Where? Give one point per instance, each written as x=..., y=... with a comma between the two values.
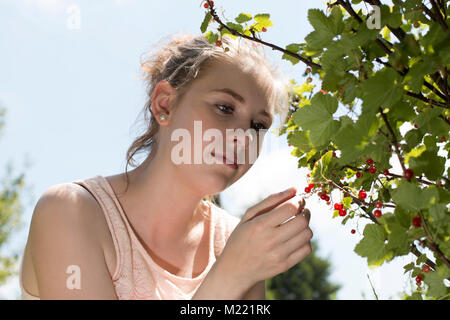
x=307, y=280
x=10, y=213
x=384, y=98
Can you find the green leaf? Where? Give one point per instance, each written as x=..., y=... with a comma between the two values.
x=408, y=267
x=381, y=90
x=205, y=22
x=263, y=20
x=410, y=197
x=398, y=239
x=321, y=23
x=373, y=246
x=346, y=201
x=212, y=37
x=435, y=282
x=243, y=17
x=235, y=26
x=429, y=163
x=294, y=48
x=317, y=118
x=300, y=139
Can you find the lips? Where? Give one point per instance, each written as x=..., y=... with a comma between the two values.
x=227, y=162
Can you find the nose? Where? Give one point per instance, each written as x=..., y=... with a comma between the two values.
x=240, y=138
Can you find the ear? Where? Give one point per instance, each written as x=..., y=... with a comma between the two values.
x=163, y=95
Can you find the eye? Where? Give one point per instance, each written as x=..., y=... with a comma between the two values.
x=262, y=126
x=227, y=107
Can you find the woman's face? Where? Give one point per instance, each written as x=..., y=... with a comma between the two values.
x=224, y=97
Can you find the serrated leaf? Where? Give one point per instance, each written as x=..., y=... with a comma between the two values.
x=317, y=118
x=263, y=20
x=410, y=197
x=381, y=90
x=373, y=247
x=435, y=282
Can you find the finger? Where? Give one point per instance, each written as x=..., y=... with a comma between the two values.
x=301, y=203
x=283, y=213
x=298, y=255
x=307, y=214
x=297, y=242
x=291, y=228
x=268, y=204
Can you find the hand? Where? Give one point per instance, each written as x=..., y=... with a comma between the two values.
x=264, y=244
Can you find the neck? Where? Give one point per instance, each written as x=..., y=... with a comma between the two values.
x=157, y=199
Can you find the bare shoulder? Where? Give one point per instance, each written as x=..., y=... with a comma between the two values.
x=64, y=232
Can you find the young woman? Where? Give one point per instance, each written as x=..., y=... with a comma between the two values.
x=154, y=232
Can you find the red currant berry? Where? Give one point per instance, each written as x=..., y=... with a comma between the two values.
x=308, y=70
x=328, y=203
x=419, y=279
x=311, y=185
x=409, y=174
x=377, y=213
x=327, y=197
x=372, y=169
x=309, y=79
x=362, y=194
x=353, y=231
x=358, y=174
x=218, y=43
x=307, y=190
x=212, y=2
x=442, y=138
x=416, y=221
x=337, y=206
x=342, y=212
x=264, y=29
x=323, y=196
x=426, y=268
x=386, y=172
x=308, y=175
x=379, y=204
x=415, y=125
x=369, y=161
x=206, y=5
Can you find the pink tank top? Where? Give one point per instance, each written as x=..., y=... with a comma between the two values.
x=137, y=275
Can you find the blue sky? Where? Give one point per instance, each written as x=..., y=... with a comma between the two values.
x=73, y=95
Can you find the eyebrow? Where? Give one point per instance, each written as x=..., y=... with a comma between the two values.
x=241, y=99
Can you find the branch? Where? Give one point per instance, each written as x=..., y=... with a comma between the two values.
x=394, y=139
x=360, y=202
x=425, y=99
x=438, y=15
x=274, y=47
x=433, y=246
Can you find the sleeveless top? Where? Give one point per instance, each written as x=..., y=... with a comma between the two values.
x=137, y=276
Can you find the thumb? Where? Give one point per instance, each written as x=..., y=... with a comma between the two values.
x=268, y=204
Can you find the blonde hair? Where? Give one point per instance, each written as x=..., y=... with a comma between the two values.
x=182, y=60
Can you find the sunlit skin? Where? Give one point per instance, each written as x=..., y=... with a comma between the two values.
x=162, y=200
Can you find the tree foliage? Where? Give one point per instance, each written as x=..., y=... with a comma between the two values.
x=308, y=280
x=383, y=100
x=10, y=211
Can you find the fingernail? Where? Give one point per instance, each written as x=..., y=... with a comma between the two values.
x=287, y=191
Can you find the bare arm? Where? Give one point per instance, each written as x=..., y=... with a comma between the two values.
x=67, y=255
x=257, y=292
